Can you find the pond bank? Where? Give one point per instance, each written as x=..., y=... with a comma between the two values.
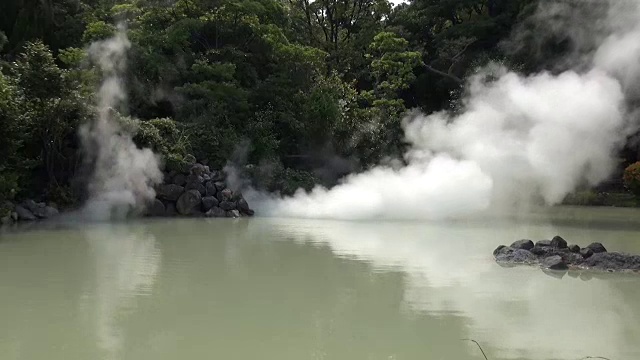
x=194, y=192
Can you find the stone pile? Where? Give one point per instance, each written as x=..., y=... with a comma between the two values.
x=198, y=192
x=556, y=254
x=28, y=210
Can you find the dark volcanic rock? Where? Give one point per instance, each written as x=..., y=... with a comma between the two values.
x=613, y=261
x=586, y=253
x=157, y=208
x=188, y=202
x=516, y=256
x=227, y=205
x=574, y=248
x=197, y=186
x=225, y=195
x=220, y=185
x=24, y=213
x=558, y=242
x=242, y=205
x=210, y=188
x=169, y=192
x=209, y=202
x=45, y=212
x=502, y=249
x=554, y=263
x=523, y=244
x=543, y=243
x=233, y=214
x=170, y=209
x=215, y=212
x=180, y=179
x=596, y=247
x=197, y=169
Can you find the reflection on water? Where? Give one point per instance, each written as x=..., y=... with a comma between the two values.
x=126, y=264
x=303, y=289
x=450, y=271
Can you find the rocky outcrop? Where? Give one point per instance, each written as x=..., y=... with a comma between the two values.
x=28, y=210
x=199, y=191
x=555, y=254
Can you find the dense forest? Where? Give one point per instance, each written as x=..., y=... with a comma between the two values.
x=305, y=91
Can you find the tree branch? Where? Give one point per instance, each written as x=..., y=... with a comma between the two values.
x=444, y=74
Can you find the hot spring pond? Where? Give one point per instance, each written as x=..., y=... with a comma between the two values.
x=308, y=289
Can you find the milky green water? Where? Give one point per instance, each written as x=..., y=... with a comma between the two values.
x=256, y=288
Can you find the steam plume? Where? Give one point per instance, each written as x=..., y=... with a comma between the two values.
x=122, y=174
x=518, y=139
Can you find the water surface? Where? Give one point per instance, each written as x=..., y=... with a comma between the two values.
x=310, y=289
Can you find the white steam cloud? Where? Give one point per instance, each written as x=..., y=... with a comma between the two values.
x=518, y=139
x=122, y=175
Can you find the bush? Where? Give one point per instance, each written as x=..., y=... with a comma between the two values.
x=631, y=178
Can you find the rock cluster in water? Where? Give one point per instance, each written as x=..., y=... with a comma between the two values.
x=556, y=254
x=198, y=192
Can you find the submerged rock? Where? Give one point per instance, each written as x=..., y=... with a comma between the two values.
x=554, y=262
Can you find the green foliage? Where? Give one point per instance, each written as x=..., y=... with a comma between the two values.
x=631, y=177
x=206, y=78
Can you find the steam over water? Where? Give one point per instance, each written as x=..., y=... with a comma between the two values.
x=122, y=174
x=518, y=138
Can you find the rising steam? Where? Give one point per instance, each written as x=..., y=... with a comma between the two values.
x=122, y=175
x=518, y=139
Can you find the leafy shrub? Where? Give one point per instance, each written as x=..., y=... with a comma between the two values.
x=631, y=177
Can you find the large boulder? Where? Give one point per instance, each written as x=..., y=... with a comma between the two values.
x=197, y=186
x=24, y=214
x=209, y=202
x=170, y=192
x=523, y=244
x=188, y=202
